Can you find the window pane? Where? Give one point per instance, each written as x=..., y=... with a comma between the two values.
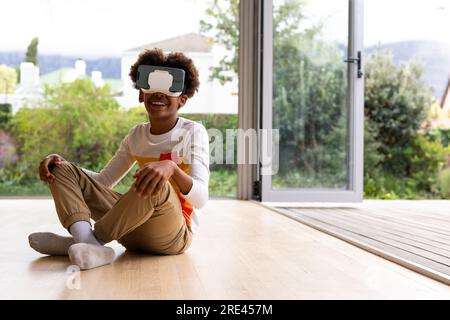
x=309, y=93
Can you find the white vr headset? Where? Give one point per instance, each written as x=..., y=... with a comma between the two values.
x=151, y=79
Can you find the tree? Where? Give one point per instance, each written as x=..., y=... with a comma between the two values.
x=222, y=23
x=32, y=51
x=396, y=104
x=397, y=101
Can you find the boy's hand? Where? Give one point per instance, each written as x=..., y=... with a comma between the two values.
x=150, y=179
x=46, y=164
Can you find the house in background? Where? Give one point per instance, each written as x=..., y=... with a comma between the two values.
x=212, y=97
x=79, y=72
x=28, y=89
x=31, y=83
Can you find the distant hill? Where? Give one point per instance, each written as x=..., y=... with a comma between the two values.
x=109, y=66
x=435, y=56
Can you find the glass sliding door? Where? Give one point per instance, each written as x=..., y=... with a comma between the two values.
x=312, y=101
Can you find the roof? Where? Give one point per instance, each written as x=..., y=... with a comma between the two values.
x=190, y=42
x=55, y=77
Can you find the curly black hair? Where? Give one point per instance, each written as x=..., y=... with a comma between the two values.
x=157, y=57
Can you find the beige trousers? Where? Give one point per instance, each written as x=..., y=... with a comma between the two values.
x=154, y=224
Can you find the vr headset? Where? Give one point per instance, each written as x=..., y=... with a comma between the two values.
x=169, y=81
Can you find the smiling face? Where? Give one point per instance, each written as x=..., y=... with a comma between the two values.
x=160, y=106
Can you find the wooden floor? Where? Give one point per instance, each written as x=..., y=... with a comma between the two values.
x=413, y=233
x=242, y=251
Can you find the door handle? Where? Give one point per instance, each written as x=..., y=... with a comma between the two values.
x=358, y=61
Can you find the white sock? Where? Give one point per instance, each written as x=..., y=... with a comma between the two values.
x=88, y=256
x=81, y=232
x=50, y=243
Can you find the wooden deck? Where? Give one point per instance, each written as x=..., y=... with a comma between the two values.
x=242, y=251
x=415, y=234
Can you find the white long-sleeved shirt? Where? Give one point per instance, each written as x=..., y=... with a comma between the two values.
x=187, y=144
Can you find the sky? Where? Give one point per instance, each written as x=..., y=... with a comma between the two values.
x=393, y=20
x=95, y=27
x=106, y=28
x=386, y=20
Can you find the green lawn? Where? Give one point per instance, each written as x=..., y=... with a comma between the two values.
x=32, y=189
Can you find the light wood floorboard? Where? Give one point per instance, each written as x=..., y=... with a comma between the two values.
x=242, y=251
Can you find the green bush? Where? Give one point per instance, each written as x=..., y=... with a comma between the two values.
x=396, y=102
x=5, y=114
x=445, y=137
x=77, y=120
x=223, y=177
x=399, y=162
x=30, y=189
x=221, y=122
x=389, y=187
x=442, y=135
x=222, y=183
x=85, y=125
x=425, y=157
x=444, y=183
x=210, y=120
